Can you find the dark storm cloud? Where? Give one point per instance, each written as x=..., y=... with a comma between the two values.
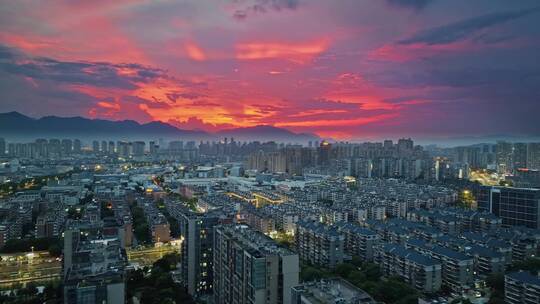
x=414, y=4
x=191, y=96
x=100, y=74
x=466, y=28
x=517, y=79
x=6, y=53
x=263, y=6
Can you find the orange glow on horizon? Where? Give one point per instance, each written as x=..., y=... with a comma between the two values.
x=336, y=122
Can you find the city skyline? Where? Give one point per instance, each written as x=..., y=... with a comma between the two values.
x=349, y=70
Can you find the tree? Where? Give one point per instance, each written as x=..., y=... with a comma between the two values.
x=408, y=299
x=174, y=226
x=495, y=281
x=309, y=273
x=531, y=264
x=344, y=269
x=31, y=289
x=25, y=245
x=162, y=264
x=357, y=261
x=496, y=300
x=356, y=278
x=55, y=250
x=372, y=271
x=142, y=233
x=158, y=286
x=75, y=212
x=394, y=290
x=51, y=290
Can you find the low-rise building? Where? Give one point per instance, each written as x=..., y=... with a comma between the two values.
x=330, y=291
x=521, y=288
x=319, y=244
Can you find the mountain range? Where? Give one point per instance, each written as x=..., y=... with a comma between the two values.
x=15, y=124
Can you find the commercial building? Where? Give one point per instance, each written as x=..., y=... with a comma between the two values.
x=515, y=206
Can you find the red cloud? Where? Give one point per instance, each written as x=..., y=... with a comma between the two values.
x=194, y=52
x=291, y=51
x=109, y=105
x=337, y=122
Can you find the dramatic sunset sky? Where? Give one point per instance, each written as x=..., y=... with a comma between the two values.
x=345, y=69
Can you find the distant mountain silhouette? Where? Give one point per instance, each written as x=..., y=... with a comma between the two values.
x=17, y=124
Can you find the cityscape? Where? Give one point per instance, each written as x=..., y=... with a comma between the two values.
x=100, y=222
x=269, y=152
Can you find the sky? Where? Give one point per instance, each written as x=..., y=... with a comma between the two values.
x=345, y=69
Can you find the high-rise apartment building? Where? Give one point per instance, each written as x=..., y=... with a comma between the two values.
x=504, y=156
x=197, y=230
x=95, y=146
x=533, y=156
x=123, y=149
x=2, y=147
x=111, y=147
x=138, y=148
x=405, y=144
x=77, y=146
x=104, y=147
x=153, y=148
x=519, y=156
x=67, y=146
x=94, y=265
x=249, y=267
x=324, y=153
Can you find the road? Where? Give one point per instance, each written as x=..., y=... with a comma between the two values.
x=485, y=178
x=40, y=267
x=147, y=256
